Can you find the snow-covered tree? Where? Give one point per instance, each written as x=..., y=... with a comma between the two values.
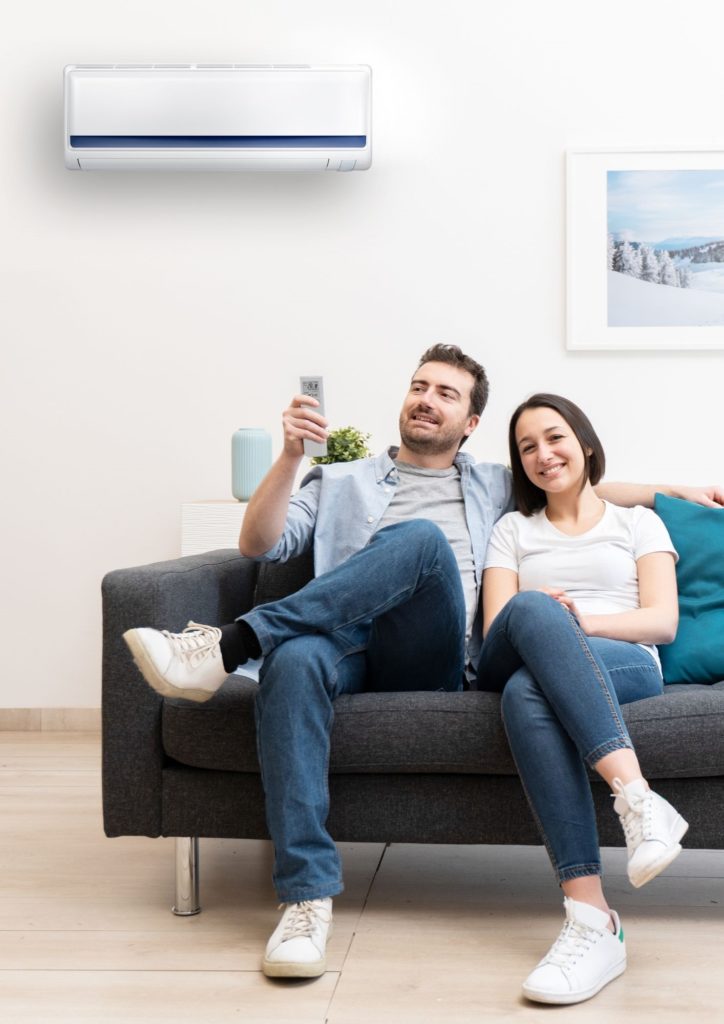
x=668, y=270
x=684, y=275
x=617, y=257
x=636, y=261
x=611, y=251
x=629, y=260
x=650, y=269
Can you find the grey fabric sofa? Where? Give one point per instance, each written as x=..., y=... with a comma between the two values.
x=408, y=768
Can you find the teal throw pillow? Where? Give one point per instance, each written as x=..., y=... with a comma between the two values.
x=697, y=653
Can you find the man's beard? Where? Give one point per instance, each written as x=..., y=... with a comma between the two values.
x=425, y=443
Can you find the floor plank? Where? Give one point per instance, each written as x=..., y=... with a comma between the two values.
x=178, y=997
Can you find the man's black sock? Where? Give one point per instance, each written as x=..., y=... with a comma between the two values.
x=238, y=644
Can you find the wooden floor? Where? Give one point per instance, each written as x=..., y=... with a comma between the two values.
x=423, y=934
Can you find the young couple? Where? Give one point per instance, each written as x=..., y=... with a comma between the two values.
x=576, y=593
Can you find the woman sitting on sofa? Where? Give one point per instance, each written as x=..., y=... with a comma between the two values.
x=576, y=593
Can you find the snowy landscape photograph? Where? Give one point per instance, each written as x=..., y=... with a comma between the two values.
x=665, y=248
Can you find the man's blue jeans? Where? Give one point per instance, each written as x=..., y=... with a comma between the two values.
x=561, y=697
x=390, y=618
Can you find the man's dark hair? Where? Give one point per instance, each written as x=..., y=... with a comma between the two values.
x=528, y=497
x=456, y=357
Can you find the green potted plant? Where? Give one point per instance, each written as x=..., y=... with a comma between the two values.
x=345, y=444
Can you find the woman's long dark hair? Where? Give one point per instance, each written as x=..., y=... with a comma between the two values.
x=528, y=497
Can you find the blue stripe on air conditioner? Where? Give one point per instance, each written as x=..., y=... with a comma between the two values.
x=218, y=141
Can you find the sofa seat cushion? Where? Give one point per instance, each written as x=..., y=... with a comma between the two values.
x=680, y=734
x=373, y=732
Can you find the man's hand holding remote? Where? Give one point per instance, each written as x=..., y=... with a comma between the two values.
x=302, y=421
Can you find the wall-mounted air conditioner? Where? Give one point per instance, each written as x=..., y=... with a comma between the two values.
x=226, y=117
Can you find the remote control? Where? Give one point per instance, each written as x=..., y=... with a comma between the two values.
x=314, y=387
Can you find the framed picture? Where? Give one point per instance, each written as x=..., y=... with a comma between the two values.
x=645, y=257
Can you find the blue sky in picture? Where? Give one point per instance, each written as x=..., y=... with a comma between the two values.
x=666, y=206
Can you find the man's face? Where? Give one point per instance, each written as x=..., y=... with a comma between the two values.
x=436, y=414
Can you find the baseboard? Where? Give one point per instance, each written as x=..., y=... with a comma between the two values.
x=50, y=719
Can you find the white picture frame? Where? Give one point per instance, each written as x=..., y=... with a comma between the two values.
x=587, y=274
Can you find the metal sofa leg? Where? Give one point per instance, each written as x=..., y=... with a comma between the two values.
x=187, y=877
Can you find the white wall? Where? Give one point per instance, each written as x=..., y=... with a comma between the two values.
x=145, y=317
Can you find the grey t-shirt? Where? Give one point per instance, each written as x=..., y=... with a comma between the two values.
x=436, y=494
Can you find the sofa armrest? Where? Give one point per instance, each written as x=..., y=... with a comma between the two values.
x=212, y=588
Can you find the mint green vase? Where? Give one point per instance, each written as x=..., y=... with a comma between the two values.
x=250, y=460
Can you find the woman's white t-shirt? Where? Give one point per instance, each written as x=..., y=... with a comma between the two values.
x=597, y=569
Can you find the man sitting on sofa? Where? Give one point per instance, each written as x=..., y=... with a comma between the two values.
x=399, y=542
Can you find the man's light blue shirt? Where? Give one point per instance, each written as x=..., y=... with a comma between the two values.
x=338, y=508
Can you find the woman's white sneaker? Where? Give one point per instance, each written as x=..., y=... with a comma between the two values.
x=652, y=827
x=585, y=957
x=297, y=948
x=187, y=664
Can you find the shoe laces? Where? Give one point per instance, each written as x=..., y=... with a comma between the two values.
x=575, y=940
x=302, y=919
x=637, y=821
x=195, y=644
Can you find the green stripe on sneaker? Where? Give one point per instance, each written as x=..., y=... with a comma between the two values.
x=620, y=935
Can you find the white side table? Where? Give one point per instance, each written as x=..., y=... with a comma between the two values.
x=207, y=525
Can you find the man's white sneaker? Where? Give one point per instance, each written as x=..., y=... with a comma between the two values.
x=584, y=957
x=652, y=828
x=297, y=948
x=184, y=664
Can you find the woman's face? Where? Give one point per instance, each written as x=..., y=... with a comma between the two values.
x=550, y=452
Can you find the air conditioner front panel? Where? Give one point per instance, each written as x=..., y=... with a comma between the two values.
x=273, y=102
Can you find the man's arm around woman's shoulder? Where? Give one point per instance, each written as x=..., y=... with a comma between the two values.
x=629, y=495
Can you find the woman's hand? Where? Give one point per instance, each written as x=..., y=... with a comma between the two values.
x=562, y=598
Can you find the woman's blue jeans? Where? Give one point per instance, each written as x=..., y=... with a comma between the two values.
x=561, y=698
x=390, y=618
